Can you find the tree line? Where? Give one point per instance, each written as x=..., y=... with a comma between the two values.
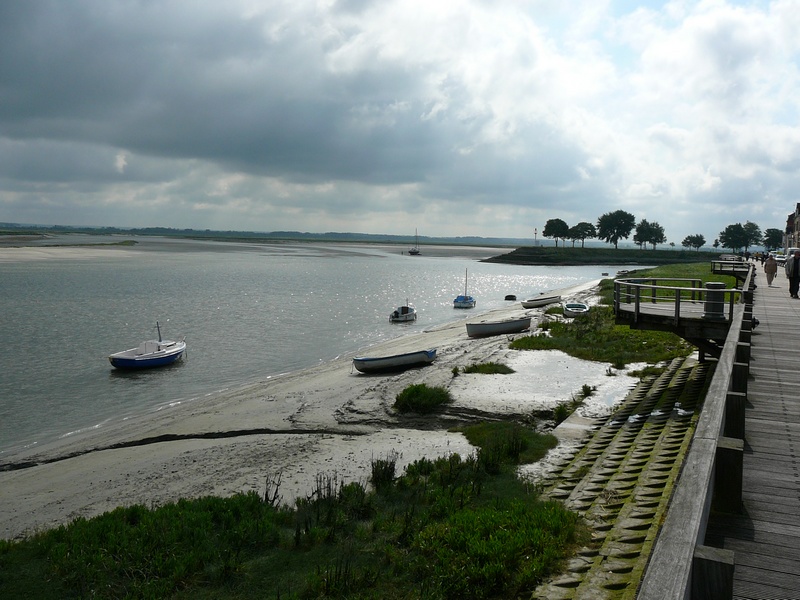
x=619, y=224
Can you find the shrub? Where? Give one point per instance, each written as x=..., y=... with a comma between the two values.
x=490, y=368
x=420, y=398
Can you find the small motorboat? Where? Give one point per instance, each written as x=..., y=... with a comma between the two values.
x=407, y=312
x=541, y=300
x=464, y=300
x=510, y=297
x=487, y=328
x=152, y=353
x=573, y=309
x=394, y=362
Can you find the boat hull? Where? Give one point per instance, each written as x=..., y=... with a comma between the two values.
x=165, y=353
x=540, y=301
x=395, y=362
x=464, y=302
x=488, y=328
x=574, y=309
x=403, y=314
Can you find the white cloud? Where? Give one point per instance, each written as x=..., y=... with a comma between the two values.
x=488, y=118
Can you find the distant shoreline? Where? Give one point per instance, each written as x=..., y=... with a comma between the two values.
x=484, y=252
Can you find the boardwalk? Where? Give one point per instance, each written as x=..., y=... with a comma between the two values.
x=766, y=537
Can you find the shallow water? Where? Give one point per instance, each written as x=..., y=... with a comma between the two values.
x=248, y=311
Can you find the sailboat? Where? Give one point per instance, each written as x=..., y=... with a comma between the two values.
x=415, y=250
x=464, y=301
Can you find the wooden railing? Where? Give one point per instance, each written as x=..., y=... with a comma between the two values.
x=666, y=296
x=681, y=567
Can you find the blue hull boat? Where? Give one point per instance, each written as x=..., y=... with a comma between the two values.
x=149, y=354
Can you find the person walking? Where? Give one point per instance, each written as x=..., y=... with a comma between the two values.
x=770, y=269
x=793, y=273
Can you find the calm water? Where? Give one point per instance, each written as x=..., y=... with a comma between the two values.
x=247, y=312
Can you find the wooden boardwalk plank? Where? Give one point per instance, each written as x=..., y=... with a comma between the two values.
x=766, y=538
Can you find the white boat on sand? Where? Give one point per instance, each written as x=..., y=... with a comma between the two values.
x=487, y=328
x=395, y=362
x=573, y=309
x=541, y=300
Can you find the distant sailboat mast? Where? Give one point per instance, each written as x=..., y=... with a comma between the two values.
x=415, y=250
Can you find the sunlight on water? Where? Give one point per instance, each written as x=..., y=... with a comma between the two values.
x=246, y=315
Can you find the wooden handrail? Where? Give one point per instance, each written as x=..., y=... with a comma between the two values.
x=659, y=293
x=680, y=566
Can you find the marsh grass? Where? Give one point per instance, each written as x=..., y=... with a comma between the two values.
x=489, y=368
x=595, y=336
x=451, y=527
x=422, y=399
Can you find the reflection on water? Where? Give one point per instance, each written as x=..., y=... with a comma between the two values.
x=247, y=311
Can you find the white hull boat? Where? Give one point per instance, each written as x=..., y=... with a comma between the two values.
x=542, y=300
x=152, y=353
x=487, y=328
x=403, y=313
x=464, y=300
x=573, y=309
x=395, y=362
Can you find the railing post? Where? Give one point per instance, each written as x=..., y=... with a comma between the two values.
x=739, y=376
x=735, y=404
x=743, y=352
x=712, y=574
x=714, y=308
x=728, y=475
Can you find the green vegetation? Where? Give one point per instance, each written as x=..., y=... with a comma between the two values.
x=422, y=399
x=595, y=336
x=446, y=528
x=490, y=368
x=549, y=255
x=513, y=442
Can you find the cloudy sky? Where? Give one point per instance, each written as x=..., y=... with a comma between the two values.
x=453, y=117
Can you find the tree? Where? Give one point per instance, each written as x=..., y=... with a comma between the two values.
x=615, y=225
x=649, y=233
x=556, y=228
x=773, y=238
x=753, y=232
x=696, y=241
x=581, y=231
x=734, y=237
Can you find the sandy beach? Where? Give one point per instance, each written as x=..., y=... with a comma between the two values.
x=328, y=420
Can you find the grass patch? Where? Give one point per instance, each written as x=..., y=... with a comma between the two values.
x=421, y=398
x=445, y=528
x=489, y=368
x=516, y=443
x=595, y=336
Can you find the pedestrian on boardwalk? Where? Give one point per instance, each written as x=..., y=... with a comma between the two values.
x=793, y=273
x=770, y=269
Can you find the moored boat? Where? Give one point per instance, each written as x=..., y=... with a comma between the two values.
x=464, y=300
x=394, y=362
x=541, y=300
x=573, y=309
x=151, y=353
x=487, y=328
x=414, y=251
x=407, y=312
